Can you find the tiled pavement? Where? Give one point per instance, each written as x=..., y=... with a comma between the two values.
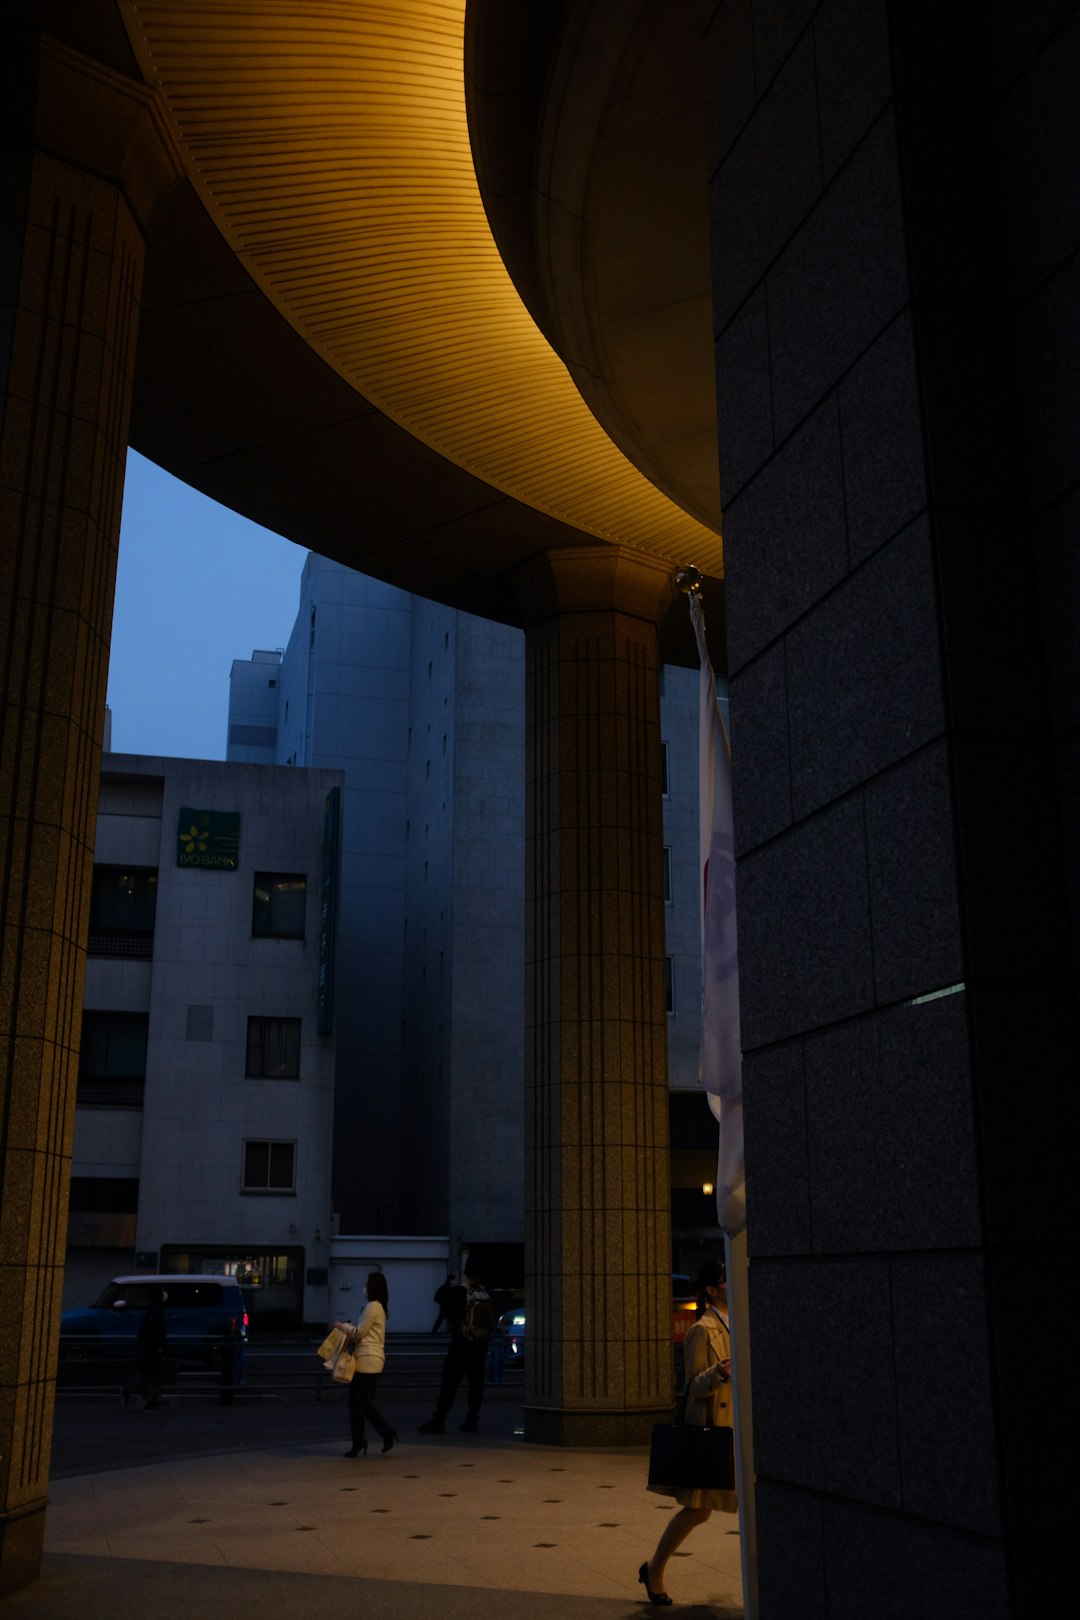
x=457, y=1524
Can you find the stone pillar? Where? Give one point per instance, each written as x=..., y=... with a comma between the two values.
x=597, y=1221
x=72, y=266
x=895, y=301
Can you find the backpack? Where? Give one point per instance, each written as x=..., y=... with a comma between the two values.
x=479, y=1318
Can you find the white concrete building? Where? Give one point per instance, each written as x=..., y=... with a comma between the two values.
x=422, y=708
x=205, y=1100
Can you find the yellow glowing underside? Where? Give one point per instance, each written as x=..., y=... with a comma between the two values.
x=329, y=139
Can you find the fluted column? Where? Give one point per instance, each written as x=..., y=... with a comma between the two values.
x=598, y=1240
x=72, y=266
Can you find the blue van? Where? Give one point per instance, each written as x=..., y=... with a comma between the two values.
x=206, y=1322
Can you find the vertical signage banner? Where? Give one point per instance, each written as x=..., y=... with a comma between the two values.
x=328, y=907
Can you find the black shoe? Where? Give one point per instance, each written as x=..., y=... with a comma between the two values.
x=468, y=1427
x=660, y=1599
x=388, y=1440
x=356, y=1450
x=432, y=1426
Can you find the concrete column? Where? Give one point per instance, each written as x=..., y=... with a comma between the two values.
x=897, y=353
x=72, y=265
x=597, y=1221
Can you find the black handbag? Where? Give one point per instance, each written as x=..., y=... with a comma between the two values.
x=689, y=1457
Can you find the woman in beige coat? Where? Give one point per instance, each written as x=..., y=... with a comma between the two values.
x=707, y=1357
x=367, y=1341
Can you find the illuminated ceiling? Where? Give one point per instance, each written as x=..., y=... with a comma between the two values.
x=328, y=141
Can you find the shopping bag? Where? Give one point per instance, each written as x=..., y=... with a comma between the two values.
x=330, y=1346
x=689, y=1457
x=344, y=1367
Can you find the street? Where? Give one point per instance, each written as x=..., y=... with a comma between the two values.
x=287, y=1398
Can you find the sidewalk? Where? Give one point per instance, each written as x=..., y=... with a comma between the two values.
x=457, y=1525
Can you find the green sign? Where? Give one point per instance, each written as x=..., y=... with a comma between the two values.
x=209, y=839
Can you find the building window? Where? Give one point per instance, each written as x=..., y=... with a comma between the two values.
x=664, y=779
x=273, y=1049
x=123, y=901
x=279, y=905
x=270, y=1167
x=112, y=1060
x=667, y=874
x=669, y=983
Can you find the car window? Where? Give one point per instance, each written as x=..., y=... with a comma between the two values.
x=185, y=1295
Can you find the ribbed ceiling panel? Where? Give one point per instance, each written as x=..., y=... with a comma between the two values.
x=329, y=139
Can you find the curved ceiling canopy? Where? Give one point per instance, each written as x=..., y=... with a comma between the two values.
x=329, y=143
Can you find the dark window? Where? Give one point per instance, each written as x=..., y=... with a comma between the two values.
x=123, y=900
x=109, y=1195
x=664, y=780
x=269, y=1166
x=273, y=1048
x=279, y=905
x=667, y=874
x=112, y=1062
x=669, y=983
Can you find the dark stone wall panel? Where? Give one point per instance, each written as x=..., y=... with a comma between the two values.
x=1028, y=1115
x=744, y=395
x=971, y=423
x=761, y=204
x=774, y=1092
x=815, y=967
x=949, y=206
x=840, y=282
x=1057, y=565
x=1038, y=160
x=1046, y=348
x=889, y=1129
x=778, y=24
x=854, y=707
x=729, y=53
x=1016, y=35
x=881, y=432
x=824, y=1384
x=786, y=534
x=1016, y=922
x=1067, y=774
x=761, y=780
x=914, y=886
x=791, y=1580
x=889, y=1568
x=854, y=77
x=947, y=1434
x=992, y=638
x=1036, y=1352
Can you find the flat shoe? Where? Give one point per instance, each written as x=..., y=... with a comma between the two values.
x=660, y=1599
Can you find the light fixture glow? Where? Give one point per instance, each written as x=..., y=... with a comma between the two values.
x=330, y=144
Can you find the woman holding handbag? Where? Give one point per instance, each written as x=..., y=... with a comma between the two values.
x=367, y=1341
x=709, y=1403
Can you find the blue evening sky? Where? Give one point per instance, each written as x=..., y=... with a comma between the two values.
x=196, y=587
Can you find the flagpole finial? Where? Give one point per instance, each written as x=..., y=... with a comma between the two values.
x=688, y=580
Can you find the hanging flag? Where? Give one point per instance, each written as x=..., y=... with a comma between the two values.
x=721, y=1050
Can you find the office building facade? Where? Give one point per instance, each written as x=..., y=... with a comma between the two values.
x=204, y=1105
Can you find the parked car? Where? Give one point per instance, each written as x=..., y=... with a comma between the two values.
x=206, y=1321
x=512, y=1323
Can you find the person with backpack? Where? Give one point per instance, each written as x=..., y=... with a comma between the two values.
x=471, y=1317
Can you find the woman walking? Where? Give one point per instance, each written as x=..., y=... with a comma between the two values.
x=707, y=1355
x=367, y=1341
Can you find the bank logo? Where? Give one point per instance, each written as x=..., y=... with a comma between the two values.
x=209, y=839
